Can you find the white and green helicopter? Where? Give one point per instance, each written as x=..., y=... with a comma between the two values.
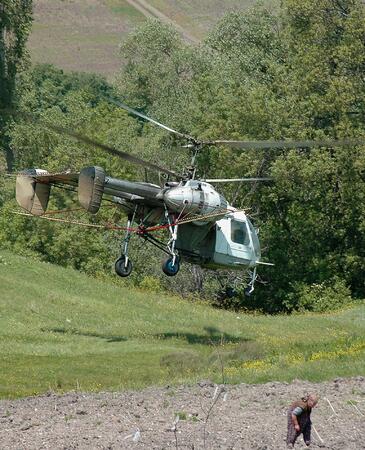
x=203, y=227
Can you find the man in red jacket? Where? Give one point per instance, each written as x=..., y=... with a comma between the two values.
x=299, y=419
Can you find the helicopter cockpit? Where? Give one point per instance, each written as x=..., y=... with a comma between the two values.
x=236, y=241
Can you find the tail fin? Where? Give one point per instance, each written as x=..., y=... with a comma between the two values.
x=32, y=195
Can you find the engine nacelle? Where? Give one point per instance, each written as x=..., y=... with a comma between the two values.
x=91, y=188
x=195, y=197
x=32, y=195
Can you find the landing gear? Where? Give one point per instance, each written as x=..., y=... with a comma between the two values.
x=248, y=291
x=251, y=285
x=171, y=265
x=171, y=268
x=123, y=266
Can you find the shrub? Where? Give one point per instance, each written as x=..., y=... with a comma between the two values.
x=319, y=297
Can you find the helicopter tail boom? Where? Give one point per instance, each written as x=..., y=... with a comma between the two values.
x=33, y=187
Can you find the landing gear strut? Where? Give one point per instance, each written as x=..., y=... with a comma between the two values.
x=171, y=265
x=123, y=265
x=251, y=285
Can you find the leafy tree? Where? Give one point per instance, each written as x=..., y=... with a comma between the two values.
x=15, y=23
x=315, y=209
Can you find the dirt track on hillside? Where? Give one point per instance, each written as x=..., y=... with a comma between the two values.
x=150, y=11
x=211, y=417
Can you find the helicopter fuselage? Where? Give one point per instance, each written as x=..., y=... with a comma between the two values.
x=220, y=236
x=204, y=228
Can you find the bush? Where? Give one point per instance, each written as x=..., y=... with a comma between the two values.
x=319, y=297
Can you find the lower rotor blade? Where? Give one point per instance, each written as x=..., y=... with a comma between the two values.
x=149, y=119
x=111, y=150
x=234, y=180
x=289, y=144
x=86, y=140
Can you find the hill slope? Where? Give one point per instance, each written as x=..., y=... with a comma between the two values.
x=84, y=35
x=62, y=330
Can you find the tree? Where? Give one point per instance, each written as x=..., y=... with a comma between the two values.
x=15, y=23
x=313, y=216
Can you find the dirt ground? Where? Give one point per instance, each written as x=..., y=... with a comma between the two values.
x=210, y=417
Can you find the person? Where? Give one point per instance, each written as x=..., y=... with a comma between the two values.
x=299, y=419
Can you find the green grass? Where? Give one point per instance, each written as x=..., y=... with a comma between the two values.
x=62, y=330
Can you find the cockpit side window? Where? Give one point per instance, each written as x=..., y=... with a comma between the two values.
x=239, y=233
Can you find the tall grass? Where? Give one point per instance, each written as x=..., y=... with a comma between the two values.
x=61, y=330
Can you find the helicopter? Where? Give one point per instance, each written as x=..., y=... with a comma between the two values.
x=203, y=228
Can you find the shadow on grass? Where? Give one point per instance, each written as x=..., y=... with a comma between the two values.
x=107, y=337
x=212, y=337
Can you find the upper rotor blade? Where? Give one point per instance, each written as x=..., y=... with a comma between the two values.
x=107, y=148
x=235, y=180
x=288, y=144
x=113, y=151
x=149, y=119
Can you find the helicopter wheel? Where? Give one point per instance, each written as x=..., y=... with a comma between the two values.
x=120, y=267
x=170, y=269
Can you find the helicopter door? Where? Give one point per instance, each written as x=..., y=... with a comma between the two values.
x=222, y=231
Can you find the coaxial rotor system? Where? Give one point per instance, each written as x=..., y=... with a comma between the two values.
x=195, y=145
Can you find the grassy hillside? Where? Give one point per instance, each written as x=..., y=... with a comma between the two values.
x=199, y=17
x=84, y=35
x=81, y=35
x=61, y=330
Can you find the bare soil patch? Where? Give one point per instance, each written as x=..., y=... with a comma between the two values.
x=210, y=417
